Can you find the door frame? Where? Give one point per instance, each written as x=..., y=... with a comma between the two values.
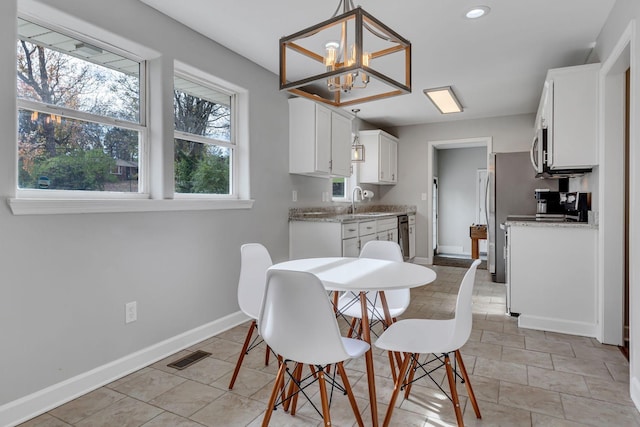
x=611, y=179
x=482, y=141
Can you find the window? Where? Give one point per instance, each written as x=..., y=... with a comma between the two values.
x=80, y=114
x=204, y=138
x=83, y=140
x=339, y=188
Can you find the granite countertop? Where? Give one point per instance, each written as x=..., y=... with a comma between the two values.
x=532, y=222
x=343, y=214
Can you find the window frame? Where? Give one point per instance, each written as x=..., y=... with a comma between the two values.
x=49, y=202
x=180, y=70
x=83, y=116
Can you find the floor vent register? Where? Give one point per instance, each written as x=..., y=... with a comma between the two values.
x=189, y=359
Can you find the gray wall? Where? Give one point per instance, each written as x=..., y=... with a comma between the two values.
x=66, y=278
x=457, y=181
x=510, y=133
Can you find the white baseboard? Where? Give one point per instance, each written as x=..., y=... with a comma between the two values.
x=422, y=261
x=451, y=250
x=27, y=407
x=558, y=325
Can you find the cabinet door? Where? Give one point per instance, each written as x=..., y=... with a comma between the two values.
x=384, y=174
x=367, y=238
x=572, y=131
x=388, y=149
x=340, y=145
x=393, y=161
x=412, y=240
x=323, y=139
x=393, y=235
x=350, y=247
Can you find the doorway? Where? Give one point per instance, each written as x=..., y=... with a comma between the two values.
x=436, y=217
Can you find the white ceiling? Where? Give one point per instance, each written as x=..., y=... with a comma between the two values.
x=496, y=64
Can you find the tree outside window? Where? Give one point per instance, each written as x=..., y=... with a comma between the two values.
x=204, y=140
x=78, y=113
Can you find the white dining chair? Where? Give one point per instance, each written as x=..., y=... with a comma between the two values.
x=298, y=322
x=415, y=337
x=254, y=262
x=397, y=300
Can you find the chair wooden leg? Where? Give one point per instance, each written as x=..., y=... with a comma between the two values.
x=392, y=364
x=352, y=327
x=396, y=389
x=412, y=372
x=283, y=394
x=326, y=415
x=277, y=385
x=247, y=341
x=292, y=397
x=467, y=384
x=352, y=399
x=266, y=356
x=452, y=388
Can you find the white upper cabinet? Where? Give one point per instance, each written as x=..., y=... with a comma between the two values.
x=380, y=158
x=319, y=139
x=569, y=111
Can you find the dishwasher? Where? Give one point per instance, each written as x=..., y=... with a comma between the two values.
x=403, y=235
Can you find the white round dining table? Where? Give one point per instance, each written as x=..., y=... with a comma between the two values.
x=361, y=275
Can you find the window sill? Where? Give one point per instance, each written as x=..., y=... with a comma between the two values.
x=83, y=206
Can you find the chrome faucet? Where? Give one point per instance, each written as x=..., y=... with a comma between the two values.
x=353, y=198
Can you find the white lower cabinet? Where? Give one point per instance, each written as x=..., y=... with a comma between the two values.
x=412, y=236
x=552, y=277
x=308, y=239
x=351, y=247
x=387, y=229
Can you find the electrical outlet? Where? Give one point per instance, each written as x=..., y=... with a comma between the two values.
x=130, y=312
x=424, y=196
x=294, y=196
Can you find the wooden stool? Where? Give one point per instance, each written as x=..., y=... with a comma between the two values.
x=477, y=232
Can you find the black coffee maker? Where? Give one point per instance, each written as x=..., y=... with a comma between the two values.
x=577, y=205
x=548, y=203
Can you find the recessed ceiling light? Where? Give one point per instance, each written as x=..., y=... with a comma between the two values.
x=477, y=12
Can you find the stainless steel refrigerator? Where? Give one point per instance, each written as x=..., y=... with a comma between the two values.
x=511, y=192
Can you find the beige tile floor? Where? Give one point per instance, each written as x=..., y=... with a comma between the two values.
x=520, y=377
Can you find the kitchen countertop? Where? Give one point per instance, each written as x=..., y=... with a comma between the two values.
x=343, y=215
x=530, y=221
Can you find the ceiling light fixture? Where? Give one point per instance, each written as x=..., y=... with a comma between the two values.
x=444, y=99
x=477, y=12
x=357, y=149
x=336, y=60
